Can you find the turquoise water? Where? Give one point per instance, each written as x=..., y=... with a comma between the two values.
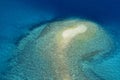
x=18, y=18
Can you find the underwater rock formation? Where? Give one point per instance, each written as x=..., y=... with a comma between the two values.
x=60, y=50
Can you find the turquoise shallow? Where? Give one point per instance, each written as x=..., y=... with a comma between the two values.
x=68, y=49
x=59, y=40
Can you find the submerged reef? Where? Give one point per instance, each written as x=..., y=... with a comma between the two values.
x=60, y=50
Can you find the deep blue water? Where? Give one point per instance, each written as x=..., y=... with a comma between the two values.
x=17, y=17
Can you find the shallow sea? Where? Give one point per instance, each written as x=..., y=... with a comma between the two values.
x=18, y=17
